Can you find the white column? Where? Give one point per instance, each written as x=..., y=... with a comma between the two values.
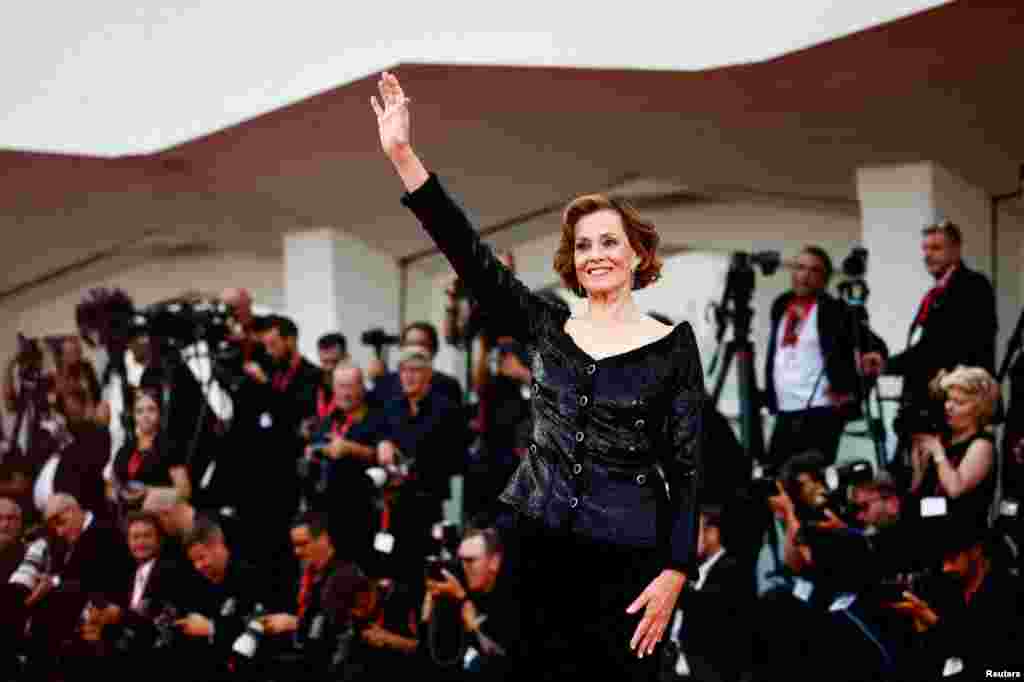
x=336, y=282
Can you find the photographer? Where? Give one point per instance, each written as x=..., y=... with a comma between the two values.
x=332, y=349
x=979, y=629
x=387, y=386
x=877, y=504
x=811, y=378
x=313, y=641
x=962, y=299
x=426, y=428
x=961, y=465
x=385, y=643
x=123, y=632
x=85, y=560
x=344, y=446
x=488, y=606
x=231, y=597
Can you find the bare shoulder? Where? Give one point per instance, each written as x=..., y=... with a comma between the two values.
x=653, y=329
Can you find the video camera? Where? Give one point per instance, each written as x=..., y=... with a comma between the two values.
x=378, y=339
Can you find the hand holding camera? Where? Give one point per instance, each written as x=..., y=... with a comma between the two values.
x=924, y=616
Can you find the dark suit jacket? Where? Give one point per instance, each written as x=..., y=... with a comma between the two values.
x=99, y=562
x=960, y=330
x=715, y=640
x=836, y=327
x=80, y=469
x=169, y=583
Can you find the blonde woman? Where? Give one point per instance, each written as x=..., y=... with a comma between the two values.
x=960, y=467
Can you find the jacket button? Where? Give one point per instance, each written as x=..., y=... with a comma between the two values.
x=573, y=502
x=640, y=423
x=583, y=401
x=579, y=436
x=533, y=448
x=591, y=369
x=577, y=468
x=641, y=479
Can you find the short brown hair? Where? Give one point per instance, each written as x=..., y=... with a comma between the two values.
x=946, y=227
x=642, y=236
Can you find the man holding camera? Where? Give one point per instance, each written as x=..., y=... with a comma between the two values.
x=123, y=631
x=955, y=323
x=344, y=446
x=318, y=629
x=427, y=431
x=811, y=378
x=978, y=631
x=232, y=599
x=487, y=604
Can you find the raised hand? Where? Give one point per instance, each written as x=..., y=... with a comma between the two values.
x=392, y=116
x=392, y=111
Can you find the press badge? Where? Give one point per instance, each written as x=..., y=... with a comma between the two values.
x=266, y=421
x=802, y=589
x=316, y=630
x=954, y=666
x=384, y=542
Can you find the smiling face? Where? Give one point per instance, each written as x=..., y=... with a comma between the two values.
x=603, y=257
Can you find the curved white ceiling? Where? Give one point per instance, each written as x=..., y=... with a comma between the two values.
x=112, y=78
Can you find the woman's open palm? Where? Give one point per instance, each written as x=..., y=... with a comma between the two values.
x=392, y=114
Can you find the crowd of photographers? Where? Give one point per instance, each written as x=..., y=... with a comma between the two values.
x=301, y=535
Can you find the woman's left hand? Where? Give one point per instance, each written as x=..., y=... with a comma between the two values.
x=658, y=602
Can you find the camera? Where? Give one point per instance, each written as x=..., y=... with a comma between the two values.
x=855, y=265
x=393, y=474
x=447, y=536
x=926, y=416
x=314, y=468
x=378, y=339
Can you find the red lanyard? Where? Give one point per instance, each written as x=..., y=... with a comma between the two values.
x=134, y=464
x=324, y=408
x=796, y=314
x=282, y=381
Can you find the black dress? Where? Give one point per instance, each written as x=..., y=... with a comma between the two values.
x=606, y=498
x=156, y=465
x=974, y=504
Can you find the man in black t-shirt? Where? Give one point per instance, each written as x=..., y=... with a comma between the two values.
x=345, y=443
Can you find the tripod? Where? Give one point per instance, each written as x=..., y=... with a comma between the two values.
x=854, y=293
x=739, y=290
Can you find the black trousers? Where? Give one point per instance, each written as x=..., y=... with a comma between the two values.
x=817, y=428
x=575, y=594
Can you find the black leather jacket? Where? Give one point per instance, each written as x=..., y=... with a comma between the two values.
x=615, y=454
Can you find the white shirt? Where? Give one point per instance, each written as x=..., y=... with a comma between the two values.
x=43, y=488
x=142, y=574
x=706, y=566
x=800, y=368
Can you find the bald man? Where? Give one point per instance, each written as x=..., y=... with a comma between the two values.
x=11, y=548
x=348, y=439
